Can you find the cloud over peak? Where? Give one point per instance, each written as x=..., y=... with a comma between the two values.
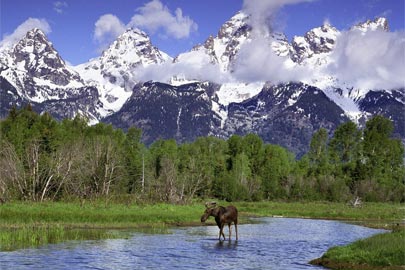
x=153, y=17
x=107, y=28
x=369, y=60
x=263, y=12
x=22, y=29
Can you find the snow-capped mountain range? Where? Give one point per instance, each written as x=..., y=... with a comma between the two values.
x=111, y=88
x=112, y=72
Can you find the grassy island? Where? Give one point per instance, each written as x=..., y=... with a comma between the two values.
x=382, y=251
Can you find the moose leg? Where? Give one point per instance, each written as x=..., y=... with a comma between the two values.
x=236, y=230
x=230, y=232
x=221, y=232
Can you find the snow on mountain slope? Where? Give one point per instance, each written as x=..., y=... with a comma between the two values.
x=238, y=92
x=112, y=72
x=314, y=54
x=369, y=25
x=32, y=71
x=317, y=50
x=321, y=51
x=221, y=52
x=223, y=48
x=36, y=70
x=313, y=44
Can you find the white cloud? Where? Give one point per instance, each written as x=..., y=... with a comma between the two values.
x=194, y=65
x=59, y=6
x=22, y=29
x=263, y=12
x=154, y=16
x=257, y=61
x=370, y=60
x=107, y=28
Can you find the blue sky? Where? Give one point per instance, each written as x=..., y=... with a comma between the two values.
x=180, y=24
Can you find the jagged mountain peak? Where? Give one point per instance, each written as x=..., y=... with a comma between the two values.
x=34, y=34
x=34, y=72
x=237, y=25
x=322, y=39
x=34, y=56
x=133, y=48
x=38, y=34
x=379, y=23
x=134, y=33
x=35, y=41
x=316, y=41
x=113, y=72
x=222, y=49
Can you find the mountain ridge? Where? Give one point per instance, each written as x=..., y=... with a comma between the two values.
x=107, y=89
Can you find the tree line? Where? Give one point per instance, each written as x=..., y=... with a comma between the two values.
x=43, y=159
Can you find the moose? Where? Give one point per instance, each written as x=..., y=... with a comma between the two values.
x=222, y=215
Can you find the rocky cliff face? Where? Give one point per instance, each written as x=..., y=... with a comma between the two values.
x=32, y=71
x=316, y=41
x=285, y=114
x=36, y=69
x=164, y=111
x=35, y=55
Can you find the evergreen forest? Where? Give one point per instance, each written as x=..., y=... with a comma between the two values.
x=42, y=159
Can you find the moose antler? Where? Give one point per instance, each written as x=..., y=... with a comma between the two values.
x=210, y=204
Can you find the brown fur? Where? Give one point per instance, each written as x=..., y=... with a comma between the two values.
x=223, y=215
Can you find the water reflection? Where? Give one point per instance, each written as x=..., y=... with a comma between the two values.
x=226, y=245
x=274, y=243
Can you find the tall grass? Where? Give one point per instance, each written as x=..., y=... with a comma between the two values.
x=33, y=224
x=96, y=215
x=33, y=236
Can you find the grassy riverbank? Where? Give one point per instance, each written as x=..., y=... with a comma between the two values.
x=32, y=224
x=382, y=251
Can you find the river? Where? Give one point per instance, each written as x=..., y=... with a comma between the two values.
x=268, y=243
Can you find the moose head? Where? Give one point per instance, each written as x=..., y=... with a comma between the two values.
x=211, y=210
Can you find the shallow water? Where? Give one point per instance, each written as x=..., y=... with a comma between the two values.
x=274, y=243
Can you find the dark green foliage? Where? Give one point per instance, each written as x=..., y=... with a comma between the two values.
x=382, y=168
x=42, y=159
